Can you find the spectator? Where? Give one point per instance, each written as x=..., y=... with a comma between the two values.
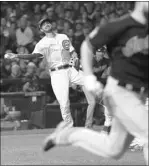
x=60, y=25
x=15, y=70
x=24, y=35
x=78, y=36
x=4, y=27
x=76, y=9
x=34, y=16
x=87, y=27
x=54, y=26
x=31, y=85
x=23, y=8
x=71, y=35
x=67, y=26
x=8, y=10
x=3, y=7
x=11, y=19
x=89, y=7
x=112, y=16
x=22, y=50
x=12, y=31
x=68, y=5
x=5, y=39
x=59, y=10
x=69, y=15
x=82, y=9
x=30, y=70
x=100, y=64
x=43, y=8
x=50, y=13
x=23, y=67
x=37, y=13
x=5, y=68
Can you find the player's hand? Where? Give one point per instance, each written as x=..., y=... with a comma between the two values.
x=92, y=85
x=10, y=56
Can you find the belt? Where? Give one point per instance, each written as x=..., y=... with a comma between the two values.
x=61, y=67
x=132, y=87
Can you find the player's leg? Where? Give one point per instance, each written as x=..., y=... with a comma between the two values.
x=108, y=120
x=90, y=109
x=77, y=78
x=112, y=145
x=132, y=113
x=60, y=85
x=137, y=121
x=137, y=143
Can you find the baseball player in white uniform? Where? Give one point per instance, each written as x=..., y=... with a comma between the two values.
x=125, y=91
x=58, y=51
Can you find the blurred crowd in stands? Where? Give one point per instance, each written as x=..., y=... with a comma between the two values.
x=19, y=33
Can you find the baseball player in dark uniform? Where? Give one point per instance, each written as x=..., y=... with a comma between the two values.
x=125, y=91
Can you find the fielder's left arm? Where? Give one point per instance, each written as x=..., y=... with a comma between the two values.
x=74, y=56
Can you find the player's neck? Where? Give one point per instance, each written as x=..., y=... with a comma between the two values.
x=139, y=16
x=50, y=35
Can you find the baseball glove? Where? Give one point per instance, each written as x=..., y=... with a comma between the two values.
x=75, y=62
x=10, y=56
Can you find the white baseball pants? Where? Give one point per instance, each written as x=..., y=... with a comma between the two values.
x=61, y=81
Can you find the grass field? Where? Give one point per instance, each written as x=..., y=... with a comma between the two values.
x=25, y=148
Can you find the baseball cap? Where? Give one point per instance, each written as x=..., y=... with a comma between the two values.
x=49, y=9
x=44, y=20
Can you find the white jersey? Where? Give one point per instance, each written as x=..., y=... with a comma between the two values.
x=56, y=50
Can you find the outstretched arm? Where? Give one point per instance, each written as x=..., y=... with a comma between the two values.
x=29, y=56
x=23, y=56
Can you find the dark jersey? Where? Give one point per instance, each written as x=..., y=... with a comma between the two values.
x=127, y=44
x=100, y=64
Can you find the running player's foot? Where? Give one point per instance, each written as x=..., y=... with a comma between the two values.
x=106, y=129
x=136, y=145
x=50, y=140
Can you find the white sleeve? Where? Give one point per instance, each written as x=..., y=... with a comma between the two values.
x=38, y=50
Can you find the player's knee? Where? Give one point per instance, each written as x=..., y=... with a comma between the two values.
x=115, y=153
x=92, y=103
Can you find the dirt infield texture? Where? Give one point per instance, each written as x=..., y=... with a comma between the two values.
x=25, y=148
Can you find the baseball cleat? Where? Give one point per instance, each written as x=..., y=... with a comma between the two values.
x=106, y=129
x=50, y=141
x=49, y=144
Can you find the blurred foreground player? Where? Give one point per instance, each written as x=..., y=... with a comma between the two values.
x=125, y=91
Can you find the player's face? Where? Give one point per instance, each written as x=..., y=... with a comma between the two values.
x=46, y=27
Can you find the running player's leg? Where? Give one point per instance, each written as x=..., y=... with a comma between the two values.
x=131, y=112
x=112, y=145
x=108, y=120
x=60, y=85
x=138, y=143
